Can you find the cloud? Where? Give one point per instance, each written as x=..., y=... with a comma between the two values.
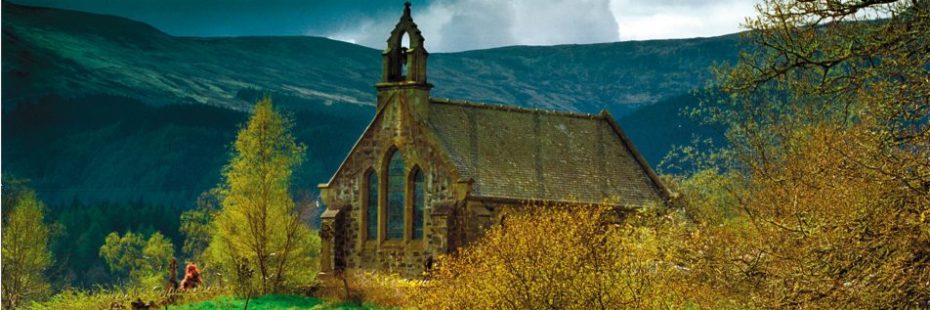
x=667, y=19
x=456, y=25
x=448, y=25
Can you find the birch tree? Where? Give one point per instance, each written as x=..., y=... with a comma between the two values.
x=258, y=223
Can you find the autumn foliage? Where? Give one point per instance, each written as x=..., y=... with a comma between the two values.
x=258, y=240
x=828, y=168
x=25, y=243
x=820, y=199
x=563, y=257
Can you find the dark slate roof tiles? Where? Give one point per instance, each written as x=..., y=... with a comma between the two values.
x=525, y=154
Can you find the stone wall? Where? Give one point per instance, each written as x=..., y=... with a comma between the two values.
x=396, y=127
x=479, y=216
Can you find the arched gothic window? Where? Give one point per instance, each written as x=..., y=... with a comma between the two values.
x=371, y=206
x=419, y=202
x=395, y=197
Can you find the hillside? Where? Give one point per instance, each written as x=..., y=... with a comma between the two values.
x=66, y=52
x=105, y=147
x=100, y=107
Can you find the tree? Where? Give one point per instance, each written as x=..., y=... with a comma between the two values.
x=25, y=255
x=258, y=224
x=563, y=257
x=195, y=224
x=144, y=261
x=829, y=131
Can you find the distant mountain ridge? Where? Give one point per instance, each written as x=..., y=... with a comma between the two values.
x=68, y=52
x=114, y=109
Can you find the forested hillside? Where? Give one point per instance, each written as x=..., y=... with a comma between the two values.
x=103, y=108
x=113, y=148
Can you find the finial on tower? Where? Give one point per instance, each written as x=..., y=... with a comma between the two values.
x=405, y=64
x=406, y=15
x=403, y=68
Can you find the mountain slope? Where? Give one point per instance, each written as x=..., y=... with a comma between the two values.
x=99, y=107
x=618, y=76
x=118, y=149
x=656, y=128
x=51, y=51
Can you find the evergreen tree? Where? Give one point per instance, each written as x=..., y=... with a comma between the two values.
x=258, y=224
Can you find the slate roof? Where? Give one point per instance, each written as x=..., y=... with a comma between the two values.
x=526, y=154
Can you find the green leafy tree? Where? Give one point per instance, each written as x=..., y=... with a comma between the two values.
x=84, y=227
x=259, y=224
x=145, y=261
x=25, y=255
x=195, y=224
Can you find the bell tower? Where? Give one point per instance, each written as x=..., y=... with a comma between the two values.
x=403, y=68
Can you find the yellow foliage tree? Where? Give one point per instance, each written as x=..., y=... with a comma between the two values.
x=25, y=253
x=821, y=200
x=829, y=164
x=564, y=257
x=258, y=229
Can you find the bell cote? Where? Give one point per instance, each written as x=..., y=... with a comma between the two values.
x=403, y=66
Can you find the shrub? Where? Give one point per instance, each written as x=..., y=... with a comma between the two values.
x=358, y=287
x=564, y=257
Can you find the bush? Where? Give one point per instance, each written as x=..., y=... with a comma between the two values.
x=384, y=290
x=564, y=257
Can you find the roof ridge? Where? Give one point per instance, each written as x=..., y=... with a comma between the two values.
x=513, y=108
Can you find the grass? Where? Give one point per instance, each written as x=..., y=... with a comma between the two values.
x=119, y=298
x=372, y=291
x=269, y=302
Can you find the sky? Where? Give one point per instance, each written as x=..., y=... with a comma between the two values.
x=447, y=25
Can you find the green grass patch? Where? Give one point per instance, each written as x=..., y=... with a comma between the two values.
x=269, y=302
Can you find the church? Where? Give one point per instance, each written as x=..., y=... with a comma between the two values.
x=430, y=175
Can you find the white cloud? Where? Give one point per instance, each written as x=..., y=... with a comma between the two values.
x=456, y=25
x=668, y=19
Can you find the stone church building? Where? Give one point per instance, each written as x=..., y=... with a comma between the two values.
x=430, y=175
